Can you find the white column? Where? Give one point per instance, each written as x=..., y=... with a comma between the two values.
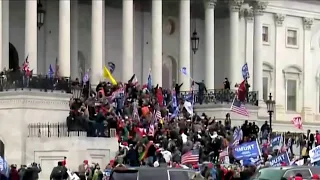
x=278, y=79
x=249, y=41
x=308, y=74
x=257, y=47
x=31, y=35
x=97, y=41
x=74, y=40
x=5, y=34
x=127, y=39
x=184, y=48
x=156, y=64
x=235, y=64
x=209, y=43
x=64, y=38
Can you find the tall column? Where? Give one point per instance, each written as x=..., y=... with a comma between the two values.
x=248, y=13
x=97, y=41
x=209, y=43
x=184, y=48
x=308, y=75
x=156, y=64
x=1, y=31
x=5, y=34
x=279, y=82
x=235, y=64
x=74, y=40
x=31, y=35
x=127, y=39
x=258, y=7
x=64, y=38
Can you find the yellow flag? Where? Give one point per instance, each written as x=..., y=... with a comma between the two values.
x=107, y=75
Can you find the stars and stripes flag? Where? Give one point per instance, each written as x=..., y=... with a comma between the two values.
x=297, y=122
x=239, y=108
x=156, y=115
x=224, y=153
x=237, y=136
x=190, y=157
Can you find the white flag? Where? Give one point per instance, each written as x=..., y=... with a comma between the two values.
x=188, y=107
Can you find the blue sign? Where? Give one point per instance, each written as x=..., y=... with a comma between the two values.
x=281, y=158
x=275, y=141
x=315, y=154
x=246, y=150
x=4, y=168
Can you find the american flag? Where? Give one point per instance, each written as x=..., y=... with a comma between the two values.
x=157, y=115
x=224, y=153
x=239, y=108
x=297, y=122
x=237, y=136
x=190, y=157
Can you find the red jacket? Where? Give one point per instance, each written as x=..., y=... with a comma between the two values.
x=160, y=97
x=13, y=174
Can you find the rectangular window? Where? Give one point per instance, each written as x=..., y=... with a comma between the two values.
x=292, y=37
x=265, y=81
x=291, y=95
x=265, y=34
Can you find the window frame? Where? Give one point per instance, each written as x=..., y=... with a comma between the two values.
x=268, y=34
x=296, y=46
x=296, y=94
x=268, y=87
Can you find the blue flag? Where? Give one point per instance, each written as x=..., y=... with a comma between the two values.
x=184, y=70
x=245, y=71
x=50, y=72
x=275, y=141
x=246, y=150
x=4, y=167
x=281, y=158
x=111, y=66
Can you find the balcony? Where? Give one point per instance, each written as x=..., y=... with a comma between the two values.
x=51, y=130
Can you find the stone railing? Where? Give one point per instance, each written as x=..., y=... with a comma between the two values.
x=61, y=130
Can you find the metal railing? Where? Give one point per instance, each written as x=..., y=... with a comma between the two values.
x=17, y=80
x=61, y=130
x=217, y=96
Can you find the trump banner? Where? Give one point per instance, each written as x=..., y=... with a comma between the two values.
x=282, y=158
x=246, y=150
x=314, y=154
x=275, y=141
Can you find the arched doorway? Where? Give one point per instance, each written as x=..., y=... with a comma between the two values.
x=1, y=149
x=169, y=72
x=13, y=57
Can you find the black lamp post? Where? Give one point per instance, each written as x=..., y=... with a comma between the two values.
x=270, y=106
x=40, y=15
x=195, y=42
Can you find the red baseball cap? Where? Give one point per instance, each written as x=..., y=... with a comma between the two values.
x=298, y=178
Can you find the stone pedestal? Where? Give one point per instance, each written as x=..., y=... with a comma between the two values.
x=280, y=114
x=20, y=108
x=307, y=115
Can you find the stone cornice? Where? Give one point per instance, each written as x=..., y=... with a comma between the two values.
x=27, y=100
x=291, y=12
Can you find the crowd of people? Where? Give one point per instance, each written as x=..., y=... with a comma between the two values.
x=158, y=127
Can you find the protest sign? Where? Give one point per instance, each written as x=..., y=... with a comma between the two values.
x=314, y=154
x=246, y=150
x=275, y=141
x=281, y=158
